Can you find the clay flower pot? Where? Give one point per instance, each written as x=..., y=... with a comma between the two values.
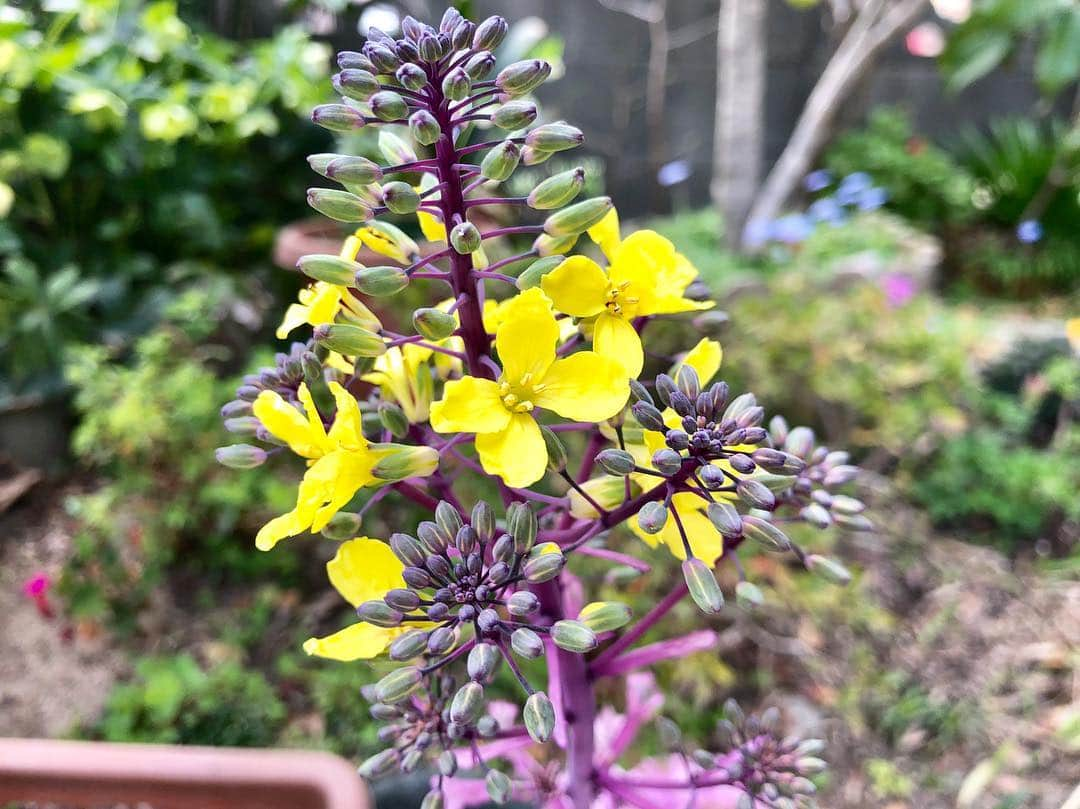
x=96, y=774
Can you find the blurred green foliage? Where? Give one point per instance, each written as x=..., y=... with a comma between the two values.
x=132, y=143
x=149, y=427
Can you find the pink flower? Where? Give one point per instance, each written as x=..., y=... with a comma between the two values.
x=898, y=289
x=36, y=586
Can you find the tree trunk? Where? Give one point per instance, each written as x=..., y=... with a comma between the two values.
x=740, y=111
x=875, y=26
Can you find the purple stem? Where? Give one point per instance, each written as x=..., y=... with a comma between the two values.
x=616, y=557
x=641, y=627
x=644, y=656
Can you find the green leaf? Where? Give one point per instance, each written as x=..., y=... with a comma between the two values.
x=1058, y=62
x=972, y=53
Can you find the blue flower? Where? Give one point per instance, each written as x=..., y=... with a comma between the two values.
x=673, y=173
x=826, y=209
x=757, y=232
x=817, y=181
x=852, y=186
x=872, y=198
x=792, y=229
x=1029, y=231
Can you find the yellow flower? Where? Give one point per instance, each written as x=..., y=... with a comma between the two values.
x=645, y=276
x=404, y=376
x=582, y=387
x=362, y=570
x=341, y=460
x=321, y=302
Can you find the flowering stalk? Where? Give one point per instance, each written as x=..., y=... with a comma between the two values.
x=502, y=387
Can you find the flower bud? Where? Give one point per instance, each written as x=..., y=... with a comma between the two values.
x=490, y=34
x=395, y=150
x=352, y=341
x=748, y=595
x=755, y=494
x=462, y=35
x=467, y=703
x=703, y=586
x=526, y=643
x=539, y=716
x=400, y=198
x=398, y=684
x=407, y=549
x=725, y=519
x=531, y=156
x=441, y=640
x=379, y=613
x=483, y=660
x=243, y=425
x=799, y=441
x=573, y=636
x=433, y=324
x=522, y=525
x=387, y=105
x=420, y=579
x=648, y=416
x=433, y=538
x=557, y=190
x=240, y=456
x=447, y=763
x=483, y=521
x=456, y=84
x=828, y=569
x=765, y=534
x=514, y=115
x=523, y=603
x=556, y=450
x=499, y=163
x=667, y=462
x=555, y=137
x=337, y=117
x=329, y=268
x=848, y=506
x=411, y=76
x=578, y=217
x=853, y=522
x=380, y=764
x=424, y=128
x=480, y=65
x=605, y=616
x=465, y=238
x=816, y=515
x=670, y=735
x=653, y=517
x=392, y=417
x=381, y=282
x=547, y=245
x=350, y=170
x=535, y=272
x=429, y=48
x=432, y=800
x=522, y=77
x=383, y=59
x=343, y=525
x=407, y=462
x=339, y=205
x=352, y=60
x=616, y=462
x=544, y=564
x=498, y=786
x=359, y=85
x=407, y=646
x=503, y=550
x=778, y=461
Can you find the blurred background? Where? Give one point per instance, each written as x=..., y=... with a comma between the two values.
x=884, y=196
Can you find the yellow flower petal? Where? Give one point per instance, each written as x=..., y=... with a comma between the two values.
x=358, y=641
x=517, y=453
x=469, y=405
x=584, y=387
x=642, y=259
x=346, y=430
x=279, y=528
x=295, y=316
x=615, y=338
x=577, y=286
x=705, y=358
x=705, y=540
x=606, y=233
x=324, y=303
x=336, y=478
x=363, y=569
x=431, y=227
x=304, y=436
x=527, y=336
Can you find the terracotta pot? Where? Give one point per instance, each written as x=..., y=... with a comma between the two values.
x=91, y=774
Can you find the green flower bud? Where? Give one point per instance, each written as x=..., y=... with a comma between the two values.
x=398, y=684
x=653, y=517
x=557, y=190
x=432, y=800
x=853, y=522
x=424, y=128
x=748, y=595
x=441, y=640
x=411, y=76
x=388, y=106
x=816, y=515
x=765, y=534
x=392, y=417
x=329, y=268
x=526, y=643
x=407, y=462
x=456, y=84
x=337, y=117
x=556, y=449
x=522, y=77
x=394, y=150
x=555, y=137
x=465, y=238
x=499, y=163
x=350, y=170
x=828, y=569
x=480, y=65
x=755, y=494
x=523, y=603
x=543, y=567
x=605, y=616
x=578, y=217
x=667, y=461
x=467, y=703
x=412, y=644
x=352, y=341
x=381, y=282
x=514, y=115
x=407, y=549
x=849, y=506
x=483, y=660
x=534, y=157
x=339, y=205
x=433, y=324
x=243, y=425
x=447, y=763
x=539, y=716
x=670, y=735
x=616, y=462
x=448, y=519
x=380, y=764
x=521, y=525
x=725, y=519
x=320, y=161
x=353, y=60
x=547, y=246
x=379, y=613
x=483, y=521
x=400, y=198
x=536, y=271
x=703, y=586
x=490, y=34
x=573, y=636
x=498, y=786
x=358, y=85
x=810, y=765
x=240, y=456
x=777, y=461
x=343, y=525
